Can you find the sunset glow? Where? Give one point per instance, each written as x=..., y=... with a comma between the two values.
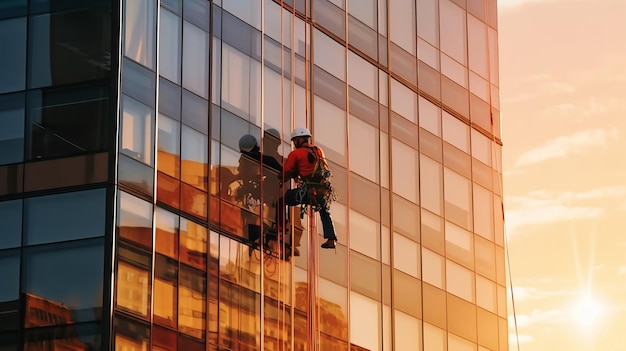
x=562, y=86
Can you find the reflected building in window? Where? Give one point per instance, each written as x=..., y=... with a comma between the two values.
x=141, y=144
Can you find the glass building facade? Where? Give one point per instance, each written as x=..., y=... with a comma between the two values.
x=134, y=217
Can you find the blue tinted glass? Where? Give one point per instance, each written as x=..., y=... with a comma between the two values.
x=11, y=219
x=13, y=66
x=12, y=8
x=9, y=275
x=64, y=217
x=197, y=12
x=68, y=274
x=12, y=127
x=139, y=82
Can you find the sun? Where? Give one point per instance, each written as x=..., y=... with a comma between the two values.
x=587, y=311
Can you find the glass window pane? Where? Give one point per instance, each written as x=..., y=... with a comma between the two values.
x=431, y=184
x=331, y=294
x=193, y=244
x=130, y=334
x=458, y=201
x=365, y=276
x=167, y=227
x=486, y=294
x=75, y=266
x=406, y=291
x=12, y=122
x=240, y=83
x=459, y=245
x=452, y=30
x=403, y=101
x=433, y=268
x=195, y=60
x=165, y=291
x=84, y=336
x=133, y=281
x=66, y=216
x=365, y=322
x=69, y=47
x=137, y=135
x=407, y=331
x=364, y=149
x=404, y=169
x=477, y=49
x=140, y=31
x=483, y=212
x=332, y=140
x=427, y=21
x=329, y=55
x=195, y=112
x=11, y=219
x=169, y=98
x=135, y=174
x=134, y=221
x=67, y=121
x=459, y=281
x=365, y=234
x=402, y=24
x=138, y=82
x=168, y=147
x=406, y=255
x=10, y=288
x=194, y=158
x=192, y=302
x=434, y=338
x=456, y=132
x=13, y=66
x=198, y=13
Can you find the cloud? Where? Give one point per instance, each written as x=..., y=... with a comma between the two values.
x=543, y=207
x=553, y=316
x=567, y=145
x=521, y=339
x=527, y=293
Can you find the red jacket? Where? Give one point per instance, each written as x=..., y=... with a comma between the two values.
x=298, y=164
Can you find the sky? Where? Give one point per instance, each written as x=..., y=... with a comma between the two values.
x=563, y=110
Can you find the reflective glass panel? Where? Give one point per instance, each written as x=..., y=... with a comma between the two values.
x=192, y=302
x=66, y=121
x=333, y=313
x=453, y=30
x=193, y=244
x=165, y=291
x=64, y=47
x=66, y=216
x=67, y=278
x=402, y=24
x=195, y=60
x=134, y=222
x=404, y=169
x=137, y=135
x=11, y=219
x=407, y=331
x=194, y=158
x=9, y=290
x=12, y=122
x=13, y=67
x=168, y=147
x=167, y=226
x=140, y=31
x=365, y=322
x=133, y=281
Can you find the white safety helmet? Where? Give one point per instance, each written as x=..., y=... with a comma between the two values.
x=300, y=132
x=247, y=143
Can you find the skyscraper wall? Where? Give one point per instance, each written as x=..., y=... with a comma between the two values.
x=141, y=144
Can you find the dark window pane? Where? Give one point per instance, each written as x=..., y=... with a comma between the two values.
x=62, y=217
x=138, y=82
x=455, y=96
x=406, y=292
x=130, y=334
x=403, y=63
x=174, y=5
x=86, y=169
x=134, y=222
x=11, y=179
x=70, y=121
x=168, y=190
x=85, y=336
x=192, y=302
x=11, y=219
x=8, y=9
x=8, y=341
x=9, y=290
x=169, y=98
x=362, y=36
x=365, y=275
x=13, y=66
x=163, y=339
x=69, y=47
x=330, y=17
x=58, y=274
x=197, y=12
x=330, y=88
x=38, y=6
x=241, y=35
x=196, y=112
x=136, y=175
x=12, y=122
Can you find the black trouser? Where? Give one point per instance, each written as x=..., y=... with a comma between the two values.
x=293, y=197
